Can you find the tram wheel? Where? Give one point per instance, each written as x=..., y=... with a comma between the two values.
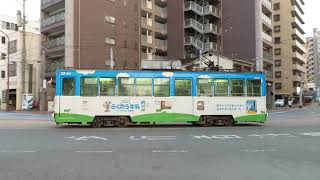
x=97, y=123
x=122, y=122
x=206, y=121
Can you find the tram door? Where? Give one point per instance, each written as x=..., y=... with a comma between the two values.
x=183, y=96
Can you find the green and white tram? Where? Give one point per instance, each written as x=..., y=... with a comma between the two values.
x=124, y=97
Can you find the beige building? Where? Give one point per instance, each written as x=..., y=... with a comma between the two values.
x=289, y=47
x=32, y=64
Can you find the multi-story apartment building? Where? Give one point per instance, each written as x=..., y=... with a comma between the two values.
x=247, y=33
x=92, y=34
x=313, y=66
x=289, y=47
x=32, y=66
x=193, y=27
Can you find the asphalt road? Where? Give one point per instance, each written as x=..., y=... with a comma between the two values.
x=287, y=147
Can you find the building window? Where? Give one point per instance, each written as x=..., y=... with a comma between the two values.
x=125, y=43
x=161, y=87
x=277, y=29
x=182, y=87
x=237, y=87
x=13, y=46
x=89, y=86
x=276, y=17
x=3, y=40
x=8, y=25
x=144, y=87
x=277, y=74
x=276, y=6
x=277, y=51
x=110, y=19
x=126, y=87
x=277, y=40
x=277, y=63
x=278, y=85
x=3, y=56
x=12, y=70
x=204, y=87
x=3, y=74
x=109, y=40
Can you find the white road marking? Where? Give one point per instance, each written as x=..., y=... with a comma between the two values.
x=85, y=138
x=271, y=135
x=169, y=151
x=281, y=112
x=314, y=134
x=152, y=138
x=93, y=151
x=258, y=150
x=217, y=137
x=17, y=151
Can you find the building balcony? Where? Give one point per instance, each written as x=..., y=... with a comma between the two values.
x=146, y=22
x=200, y=10
x=52, y=5
x=268, y=55
x=53, y=22
x=297, y=24
x=298, y=36
x=297, y=78
x=160, y=44
x=269, y=74
x=147, y=5
x=161, y=12
x=299, y=68
x=161, y=28
x=297, y=56
x=161, y=3
x=146, y=40
x=150, y=56
x=198, y=44
x=202, y=28
x=299, y=5
x=267, y=37
x=267, y=20
x=267, y=4
x=54, y=45
x=299, y=47
x=296, y=13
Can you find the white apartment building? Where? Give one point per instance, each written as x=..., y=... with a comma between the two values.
x=32, y=64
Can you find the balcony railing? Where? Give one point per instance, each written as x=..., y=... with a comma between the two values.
x=161, y=11
x=200, y=9
x=146, y=21
x=267, y=37
x=53, y=19
x=267, y=3
x=198, y=44
x=48, y=3
x=161, y=44
x=268, y=55
x=267, y=20
x=147, y=4
x=202, y=28
x=161, y=27
x=54, y=43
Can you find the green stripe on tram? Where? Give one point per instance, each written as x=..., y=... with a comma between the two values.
x=66, y=117
x=251, y=118
x=165, y=117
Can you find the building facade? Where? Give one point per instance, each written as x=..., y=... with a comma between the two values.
x=32, y=66
x=313, y=66
x=247, y=33
x=289, y=47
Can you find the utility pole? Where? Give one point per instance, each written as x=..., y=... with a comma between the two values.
x=23, y=60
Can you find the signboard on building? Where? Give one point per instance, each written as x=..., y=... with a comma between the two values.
x=27, y=101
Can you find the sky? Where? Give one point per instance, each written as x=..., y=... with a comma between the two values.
x=10, y=7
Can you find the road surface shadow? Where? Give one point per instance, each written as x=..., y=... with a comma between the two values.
x=73, y=126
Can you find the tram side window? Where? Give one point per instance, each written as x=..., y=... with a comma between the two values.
x=161, y=87
x=126, y=86
x=107, y=86
x=254, y=87
x=182, y=87
x=89, y=86
x=144, y=86
x=204, y=87
x=237, y=87
x=68, y=87
x=220, y=87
